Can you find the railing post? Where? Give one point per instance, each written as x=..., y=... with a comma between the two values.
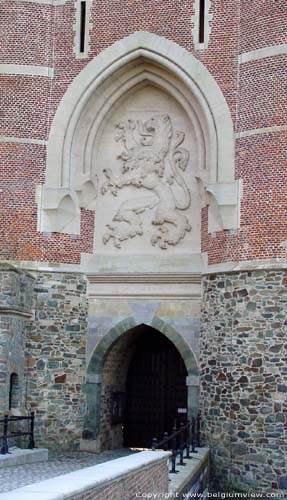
x=198, y=429
x=174, y=451
x=4, y=448
x=31, y=435
x=181, y=443
x=193, y=437
x=154, y=443
x=187, y=455
x=165, y=443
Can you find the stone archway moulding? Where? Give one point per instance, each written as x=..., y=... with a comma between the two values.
x=97, y=360
x=93, y=386
x=61, y=198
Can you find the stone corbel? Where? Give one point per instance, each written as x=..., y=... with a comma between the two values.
x=224, y=205
x=87, y=195
x=59, y=208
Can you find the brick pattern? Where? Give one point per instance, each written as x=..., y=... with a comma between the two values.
x=261, y=164
x=25, y=109
x=253, y=92
x=18, y=211
x=33, y=25
x=263, y=102
x=263, y=24
x=244, y=378
x=151, y=479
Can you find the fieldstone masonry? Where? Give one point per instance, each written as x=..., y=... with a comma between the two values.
x=244, y=377
x=16, y=303
x=56, y=349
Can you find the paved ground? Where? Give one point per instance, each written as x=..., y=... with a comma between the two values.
x=58, y=464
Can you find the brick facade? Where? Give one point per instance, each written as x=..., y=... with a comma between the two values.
x=242, y=347
x=253, y=91
x=152, y=478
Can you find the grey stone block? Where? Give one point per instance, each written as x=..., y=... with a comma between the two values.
x=18, y=456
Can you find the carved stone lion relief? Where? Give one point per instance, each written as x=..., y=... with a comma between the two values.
x=145, y=159
x=153, y=157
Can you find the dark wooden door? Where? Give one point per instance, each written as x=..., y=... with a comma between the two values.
x=156, y=388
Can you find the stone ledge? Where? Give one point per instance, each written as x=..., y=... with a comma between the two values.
x=189, y=474
x=247, y=265
x=69, y=485
x=18, y=456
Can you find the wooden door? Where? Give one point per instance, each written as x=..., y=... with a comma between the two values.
x=156, y=388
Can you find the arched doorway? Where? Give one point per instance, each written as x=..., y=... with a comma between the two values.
x=156, y=392
x=108, y=374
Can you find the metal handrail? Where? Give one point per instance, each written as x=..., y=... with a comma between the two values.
x=186, y=437
x=5, y=436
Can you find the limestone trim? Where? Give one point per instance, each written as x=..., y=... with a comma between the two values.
x=207, y=28
x=98, y=357
x=95, y=367
x=138, y=58
x=259, y=131
x=255, y=55
x=24, y=140
x=44, y=266
x=53, y=3
x=145, y=278
x=191, y=72
x=162, y=286
x=245, y=265
x=248, y=265
x=85, y=482
x=193, y=380
x=21, y=69
x=77, y=29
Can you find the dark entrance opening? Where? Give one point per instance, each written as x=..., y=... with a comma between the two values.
x=156, y=392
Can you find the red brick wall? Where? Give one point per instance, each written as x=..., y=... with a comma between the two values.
x=263, y=23
x=152, y=479
x=44, y=35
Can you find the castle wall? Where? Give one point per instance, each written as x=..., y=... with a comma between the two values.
x=37, y=74
x=56, y=349
x=242, y=347
x=244, y=377
x=16, y=303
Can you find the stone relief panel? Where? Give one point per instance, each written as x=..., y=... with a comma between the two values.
x=146, y=162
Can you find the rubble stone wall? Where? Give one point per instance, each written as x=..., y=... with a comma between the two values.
x=16, y=303
x=244, y=377
x=56, y=348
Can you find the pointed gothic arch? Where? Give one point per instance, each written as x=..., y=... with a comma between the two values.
x=132, y=62
x=93, y=387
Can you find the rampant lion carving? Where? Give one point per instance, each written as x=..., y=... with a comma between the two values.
x=152, y=159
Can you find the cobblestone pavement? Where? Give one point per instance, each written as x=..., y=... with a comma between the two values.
x=58, y=464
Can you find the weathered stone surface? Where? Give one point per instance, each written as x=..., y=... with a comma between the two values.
x=249, y=393
x=57, y=340
x=16, y=299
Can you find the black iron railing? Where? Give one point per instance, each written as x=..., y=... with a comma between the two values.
x=9, y=433
x=185, y=438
